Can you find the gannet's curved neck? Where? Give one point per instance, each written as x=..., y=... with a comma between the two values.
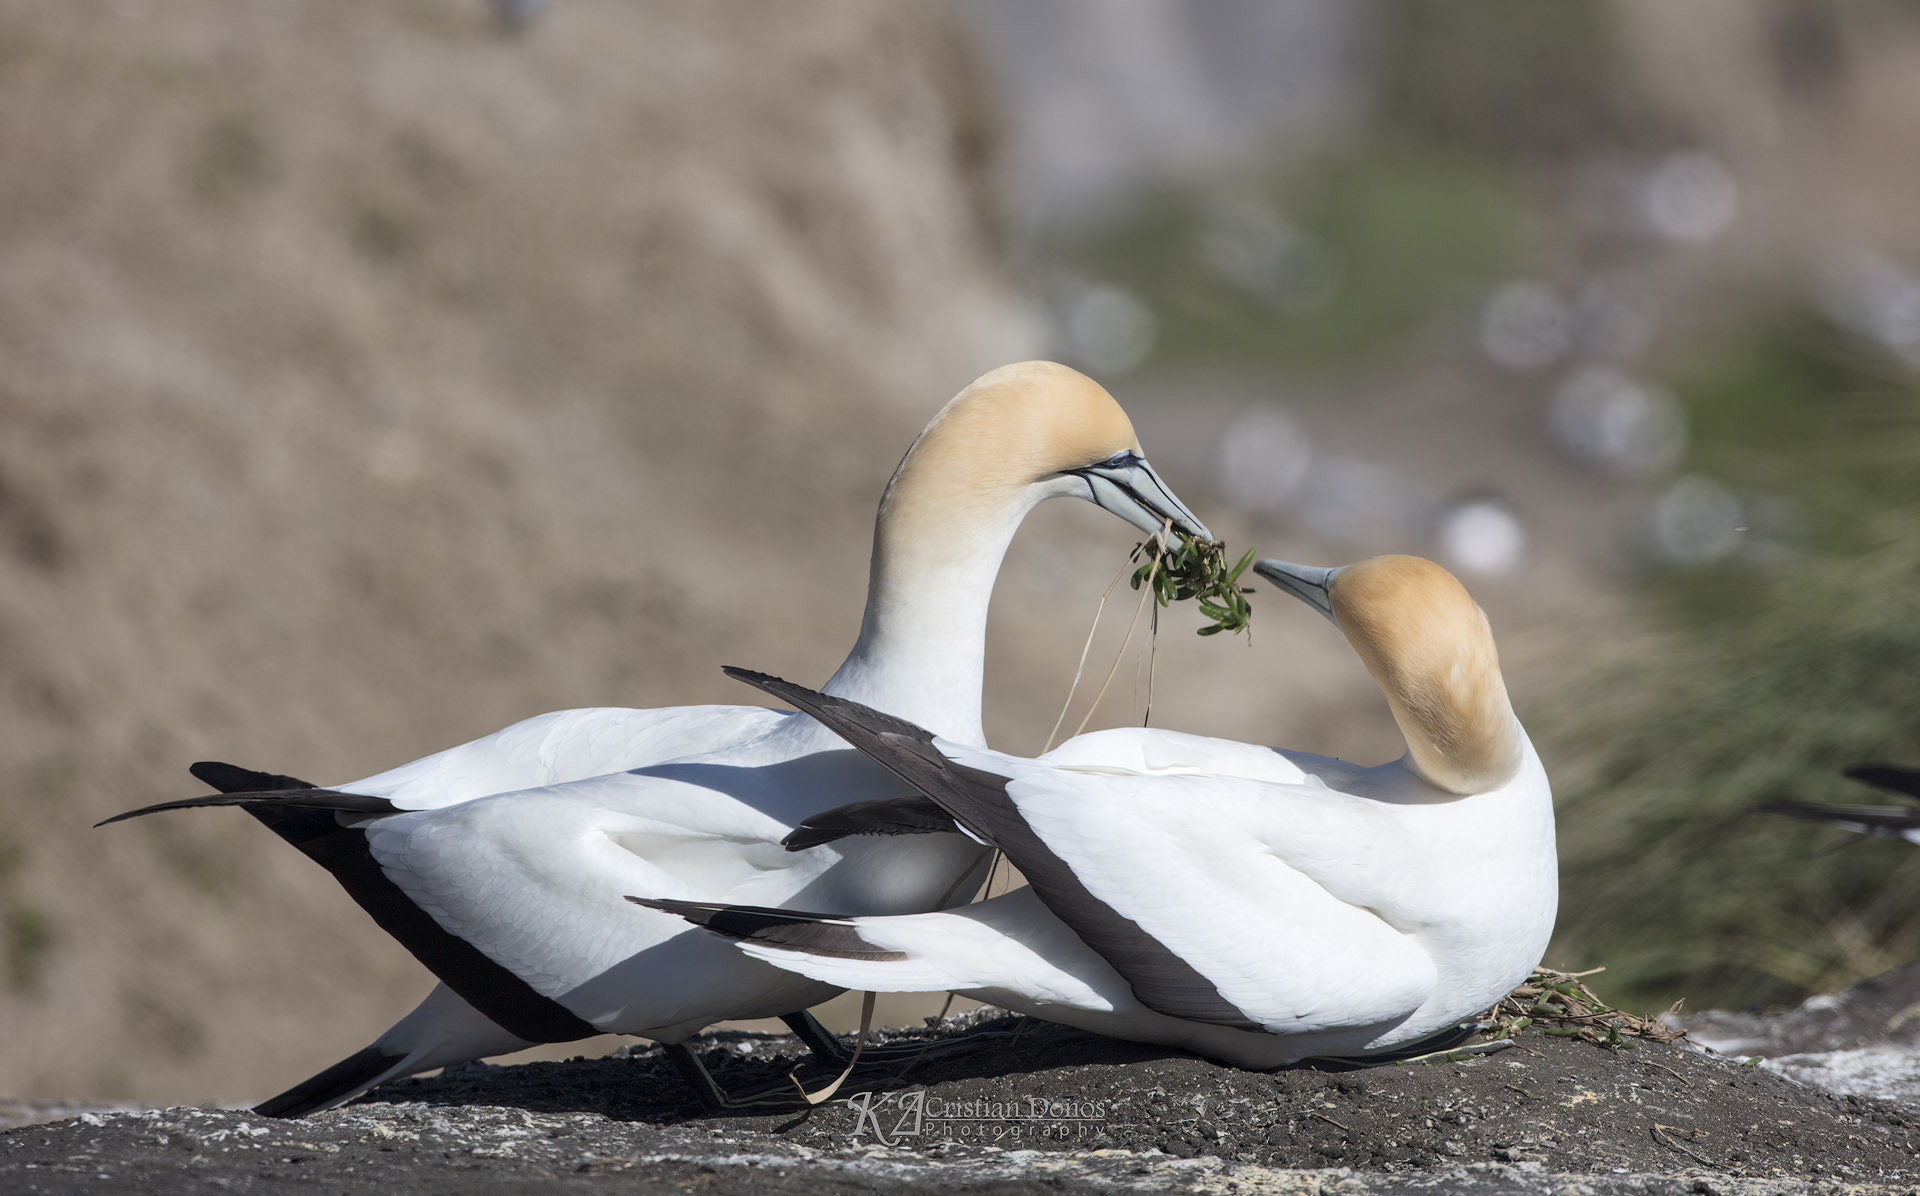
x=937, y=548
x=1429, y=648
x=1462, y=743
x=1014, y=437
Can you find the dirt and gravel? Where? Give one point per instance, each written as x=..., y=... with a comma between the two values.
x=1025, y=1106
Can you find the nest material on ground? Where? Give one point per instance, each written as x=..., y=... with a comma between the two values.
x=1564, y=1007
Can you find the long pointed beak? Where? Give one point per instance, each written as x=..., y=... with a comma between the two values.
x=1309, y=583
x=1133, y=491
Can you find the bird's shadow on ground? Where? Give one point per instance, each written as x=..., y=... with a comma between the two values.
x=641, y=1085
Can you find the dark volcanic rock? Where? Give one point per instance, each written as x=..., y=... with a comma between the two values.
x=1025, y=1106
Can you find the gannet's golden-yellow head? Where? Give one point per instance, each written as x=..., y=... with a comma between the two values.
x=1428, y=646
x=1026, y=432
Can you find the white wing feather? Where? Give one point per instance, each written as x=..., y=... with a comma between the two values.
x=1262, y=887
x=565, y=745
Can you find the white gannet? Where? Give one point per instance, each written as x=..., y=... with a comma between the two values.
x=1255, y=905
x=499, y=863
x=1902, y=822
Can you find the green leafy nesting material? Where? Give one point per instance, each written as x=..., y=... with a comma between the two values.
x=1198, y=571
x=1562, y=1004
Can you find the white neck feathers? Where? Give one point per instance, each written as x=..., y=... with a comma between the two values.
x=944, y=524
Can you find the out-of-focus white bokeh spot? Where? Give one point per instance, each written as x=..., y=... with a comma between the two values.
x=1697, y=521
x=1527, y=325
x=1105, y=328
x=1481, y=535
x=1601, y=416
x=1690, y=197
x=1264, y=456
x=1875, y=297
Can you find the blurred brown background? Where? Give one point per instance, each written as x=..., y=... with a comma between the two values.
x=373, y=376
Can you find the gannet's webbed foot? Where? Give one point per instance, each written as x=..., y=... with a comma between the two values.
x=825, y=1046
x=714, y=1099
x=698, y=1078
x=829, y=1049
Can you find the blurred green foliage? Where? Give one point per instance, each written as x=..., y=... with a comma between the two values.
x=1777, y=667
x=1368, y=246
x=1775, y=675
x=1508, y=80
x=1396, y=229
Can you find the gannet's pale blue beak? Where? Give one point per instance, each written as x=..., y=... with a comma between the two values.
x=1308, y=583
x=1126, y=485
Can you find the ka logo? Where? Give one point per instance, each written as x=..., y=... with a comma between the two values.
x=906, y=1110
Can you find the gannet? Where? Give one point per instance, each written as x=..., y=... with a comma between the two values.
x=500, y=863
x=1898, y=821
x=1255, y=905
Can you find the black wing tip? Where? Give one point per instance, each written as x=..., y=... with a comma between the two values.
x=782, y=929
x=1892, y=777
x=187, y=803
x=700, y=913
x=212, y=772
x=778, y=686
x=792, y=692
x=298, y=797
x=915, y=815
x=738, y=921
x=231, y=778
x=1876, y=819
x=336, y=1085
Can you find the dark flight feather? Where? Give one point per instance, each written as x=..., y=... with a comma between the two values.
x=978, y=800
x=816, y=934
x=340, y=1082
x=291, y=799
x=304, y=816
x=913, y=815
x=1890, y=777
x=1882, y=820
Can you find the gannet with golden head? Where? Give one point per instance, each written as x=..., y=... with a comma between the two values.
x=499, y=863
x=1255, y=905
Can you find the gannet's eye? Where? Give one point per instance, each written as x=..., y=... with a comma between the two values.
x=1118, y=459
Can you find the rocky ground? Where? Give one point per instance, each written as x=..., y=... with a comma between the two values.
x=1003, y=1104
x=1862, y=1042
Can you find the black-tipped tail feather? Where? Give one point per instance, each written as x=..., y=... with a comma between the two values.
x=336, y=1085
x=304, y=817
x=231, y=778
x=285, y=799
x=788, y=930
